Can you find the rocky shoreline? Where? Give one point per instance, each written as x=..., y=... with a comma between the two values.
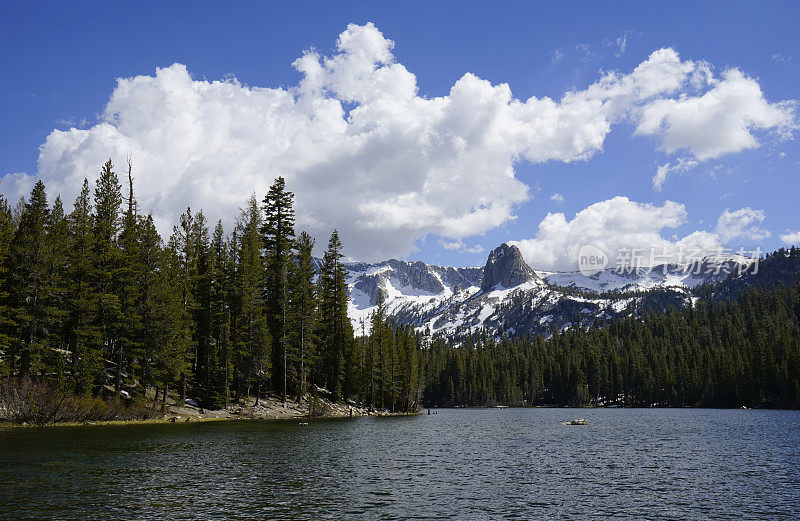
x=272, y=408
x=269, y=408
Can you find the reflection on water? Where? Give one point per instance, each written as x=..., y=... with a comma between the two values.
x=456, y=464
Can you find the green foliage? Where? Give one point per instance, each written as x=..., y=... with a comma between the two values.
x=253, y=359
x=97, y=313
x=7, y=230
x=336, y=368
x=107, y=269
x=220, y=359
x=82, y=336
x=302, y=313
x=278, y=233
x=385, y=364
x=28, y=279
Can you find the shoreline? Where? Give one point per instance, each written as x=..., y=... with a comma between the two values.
x=590, y=407
x=269, y=408
x=165, y=421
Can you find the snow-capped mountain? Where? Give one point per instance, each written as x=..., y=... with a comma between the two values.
x=643, y=279
x=413, y=292
x=506, y=296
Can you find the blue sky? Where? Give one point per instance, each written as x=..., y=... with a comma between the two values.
x=60, y=63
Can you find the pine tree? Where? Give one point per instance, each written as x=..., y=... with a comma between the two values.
x=278, y=235
x=131, y=282
x=408, y=370
x=336, y=332
x=55, y=304
x=221, y=359
x=167, y=334
x=375, y=346
x=108, y=263
x=201, y=291
x=254, y=342
x=27, y=278
x=184, y=248
x=7, y=230
x=82, y=334
x=302, y=317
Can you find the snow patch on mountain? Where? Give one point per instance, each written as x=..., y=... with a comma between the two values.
x=507, y=297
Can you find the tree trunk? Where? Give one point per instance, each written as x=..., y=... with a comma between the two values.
x=118, y=374
x=302, y=382
x=284, y=374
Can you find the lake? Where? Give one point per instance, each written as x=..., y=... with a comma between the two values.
x=454, y=464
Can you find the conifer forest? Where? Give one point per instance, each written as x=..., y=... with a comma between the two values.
x=95, y=303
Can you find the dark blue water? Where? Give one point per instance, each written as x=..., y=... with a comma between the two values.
x=457, y=464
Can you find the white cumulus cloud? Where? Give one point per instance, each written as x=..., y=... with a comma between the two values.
x=791, y=238
x=613, y=226
x=741, y=224
x=721, y=121
x=361, y=148
x=620, y=228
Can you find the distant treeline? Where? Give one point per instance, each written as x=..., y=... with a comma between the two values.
x=718, y=353
x=94, y=303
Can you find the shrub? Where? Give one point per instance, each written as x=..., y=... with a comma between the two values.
x=317, y=407
x=26, y=400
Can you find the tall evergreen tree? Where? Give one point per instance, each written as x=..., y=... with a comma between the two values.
x=27, y=279
x=302, y=319
x=82, y=334
x=108, y=263
x=201, y=289
x=167, y=338
x=254, y=342
x=56, y=290
x=7, y=230
x=129, y=286
x=183, y=245
x=335, y=330
x=221, y=360
x=375, y=346
x=278, y=235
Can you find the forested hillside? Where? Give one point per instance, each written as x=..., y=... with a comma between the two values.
x=719, y=353
x=94, y=302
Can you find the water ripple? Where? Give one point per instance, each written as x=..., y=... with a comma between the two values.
x=456, y=464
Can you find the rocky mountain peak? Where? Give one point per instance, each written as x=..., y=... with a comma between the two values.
x=505, y=266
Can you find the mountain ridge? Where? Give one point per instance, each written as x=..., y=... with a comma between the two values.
x=508, y=297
